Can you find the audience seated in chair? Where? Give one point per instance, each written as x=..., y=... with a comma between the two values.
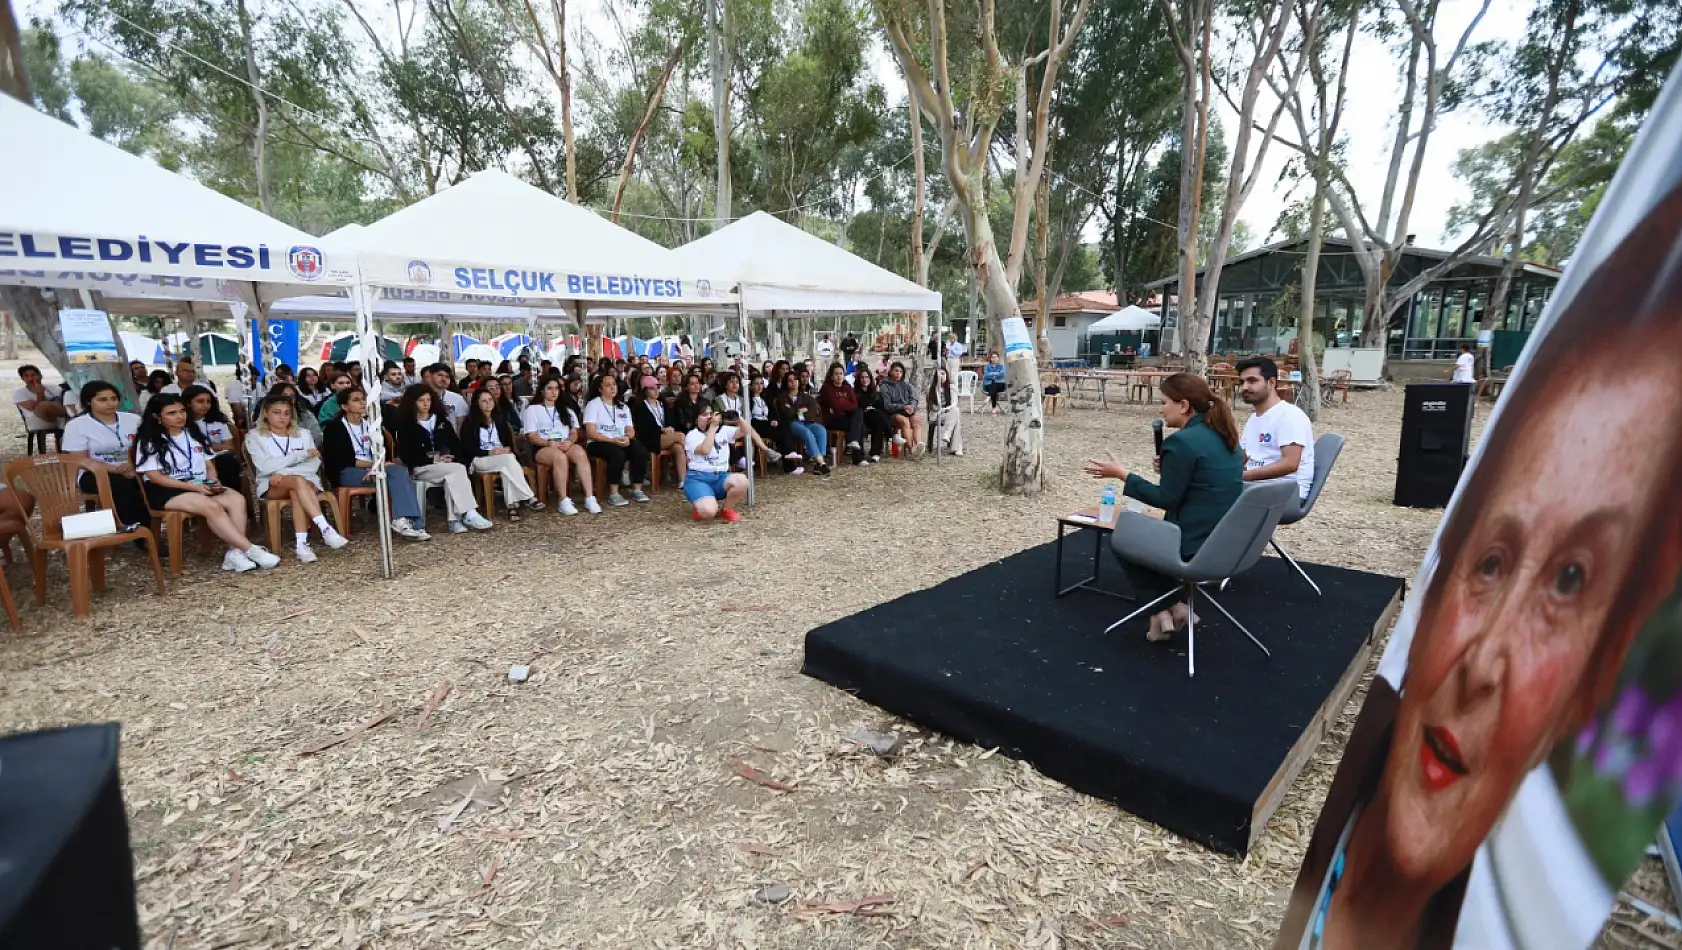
x=106, y=434
x=554, y=430
x=348, y=453
x=208, y=420
x=729, y=399
x=287, y=465
x=173, y=459
x=803, y=417
x=427, y=444
x=876, y=422
x=650, y=417
x=946, y=423
x=42, y=412
x=487, y=447
x=899, y=401
x=612, y=438
x=993, y=381
x=1201, y=476
x=841, y=411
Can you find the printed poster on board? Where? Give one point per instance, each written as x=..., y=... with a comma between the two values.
x=87, y=336
x=1521, y=742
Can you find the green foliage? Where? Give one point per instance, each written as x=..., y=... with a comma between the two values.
x=44, y=63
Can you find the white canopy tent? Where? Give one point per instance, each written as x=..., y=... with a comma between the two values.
x=1128, y=318
x=777, y=267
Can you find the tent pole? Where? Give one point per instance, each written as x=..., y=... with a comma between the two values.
x=446, y=342
x=191, y=323
x=747, y=404
x=368, y=334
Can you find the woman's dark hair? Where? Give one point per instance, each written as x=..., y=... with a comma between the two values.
x=505, y=368
x=152, y=439
x=406, y=407
x=596, y=388
x=829, y=374
x=1217, y=415
x=543, y=386
x=344, y=399
x=724, y=380
x=863, y=378
x=157, y=380
x=94, y=388
x=195, y=391
x=940, y=389
x=477, y=418
x=309, y=381
x=779, y=369
x=604, y=365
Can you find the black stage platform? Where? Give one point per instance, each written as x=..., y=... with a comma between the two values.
x=992, y=658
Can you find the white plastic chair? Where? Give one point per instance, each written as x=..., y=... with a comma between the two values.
x=966, y=387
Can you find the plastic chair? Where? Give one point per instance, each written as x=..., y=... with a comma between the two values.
x=51, y=478
x=1326, y=450
x=966, y=387
x=33, y=437
x=1232, y=548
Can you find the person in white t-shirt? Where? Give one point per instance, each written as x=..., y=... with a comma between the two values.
x=41, y=411
x=186, y=374
x=454, y=403
x=555, y=434
x=710, y=482
x=106, y=434
x=826, y=349
x=173, y=458
x=1465, y=366
x=287, y=465
x=1278, y=441
x=607, y=422
x=955, y=351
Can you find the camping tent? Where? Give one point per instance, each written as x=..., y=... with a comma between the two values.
x=776, y=266
x=424, y=354
x=479, y=351
x=459, y=342
x=510, y=344
x=141, y=347
x=344, y=347
x=1128, y=318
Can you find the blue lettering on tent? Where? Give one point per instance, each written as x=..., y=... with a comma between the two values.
x=463, y=281
x=207, y=255
x=110, y=250
x=29, y=248
x=75, y=249
x=240, y=257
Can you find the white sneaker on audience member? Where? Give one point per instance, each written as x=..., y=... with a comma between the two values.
x=876, y=458
x=798, y=470
x=592, y=505
x=639, y=495
x=566, y=507
x=477, y=521
x=772, y=455
x=333, y=539
x=899, y=440
x=403, y=528
x=617, y=500
x=303, y=553
x=261, y=557
x=236, y=561
x=864, y=463
x=852, y=446
x=793, y=456
x=456, y=527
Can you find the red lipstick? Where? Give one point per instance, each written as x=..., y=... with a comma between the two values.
x=1439, y=757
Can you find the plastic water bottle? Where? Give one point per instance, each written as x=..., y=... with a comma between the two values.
x=1106, y=507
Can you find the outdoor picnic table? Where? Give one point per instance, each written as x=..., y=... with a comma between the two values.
x=1103, y=377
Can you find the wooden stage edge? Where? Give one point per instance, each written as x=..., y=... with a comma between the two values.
x=1297, y=758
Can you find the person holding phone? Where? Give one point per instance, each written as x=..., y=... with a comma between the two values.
x=288, y=465
x=711, y=487
x=208, y=421
x=173, y=459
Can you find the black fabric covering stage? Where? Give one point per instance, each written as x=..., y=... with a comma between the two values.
x=992, y=658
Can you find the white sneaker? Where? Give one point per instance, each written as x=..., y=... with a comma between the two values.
x=477, y=521
x=456, y=527
x=303, y=553
x=261, y=557
x=899, y=440
x=876, y=458
x=852, y=446
x=592, y=505
x=638, y=495
x=625, y=478
x=404, y=528
x=617, y=500
x=566, y=507
x=864, y=463
x=237, y=562
x=799, y=470
x=793, y=456
x=772, y=455
x=333, y=539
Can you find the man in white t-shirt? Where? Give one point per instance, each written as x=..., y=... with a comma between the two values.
x=826, y=350
x=455, y=406
x=42, y=411
x=1278, y=441
x=1465, y=366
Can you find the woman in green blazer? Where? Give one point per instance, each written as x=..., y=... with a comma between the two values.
x=1202, y=473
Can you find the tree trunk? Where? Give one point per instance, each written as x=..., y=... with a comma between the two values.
x=39, y=320
x=11, y=342
x=1021, y=471
x=1194, y=129
x=565, y=73
x=718, y=12
x=1310, y=283
x=654, y=96
x=1042, y=254
x=260, y=137
x=919, y=267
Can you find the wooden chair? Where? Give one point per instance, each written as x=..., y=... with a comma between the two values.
x=273, y=508
x=1339, y=383
x=174, y=525
x=51, y=478
x=485, y=484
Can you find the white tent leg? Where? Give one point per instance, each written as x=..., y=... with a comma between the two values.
x=369, y=337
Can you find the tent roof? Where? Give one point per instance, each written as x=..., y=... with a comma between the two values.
x=71, y=203
x=777, y=266
x=1129, y=317
x=495, y=239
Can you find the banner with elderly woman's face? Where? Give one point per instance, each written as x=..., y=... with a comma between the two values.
x=1522, y=741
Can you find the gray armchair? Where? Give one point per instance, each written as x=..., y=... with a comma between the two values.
x=1326, y=449
x=1234, y=547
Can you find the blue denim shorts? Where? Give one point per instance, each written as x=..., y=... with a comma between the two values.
x=699, y=485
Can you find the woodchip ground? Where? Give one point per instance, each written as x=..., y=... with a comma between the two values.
x=604, y=802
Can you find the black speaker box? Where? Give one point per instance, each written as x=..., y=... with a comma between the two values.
x=66, y=874
x=1436, y=442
